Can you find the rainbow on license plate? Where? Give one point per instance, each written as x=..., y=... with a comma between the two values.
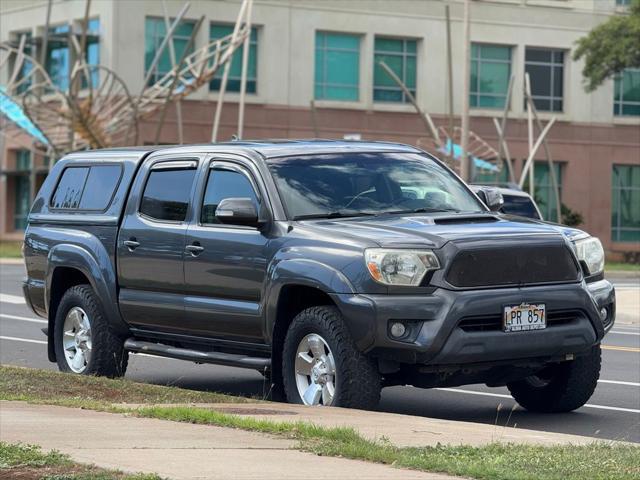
x=523, y=317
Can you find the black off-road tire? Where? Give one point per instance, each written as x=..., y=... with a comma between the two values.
x=108, y=356
x=358, y=382
x=569, y=385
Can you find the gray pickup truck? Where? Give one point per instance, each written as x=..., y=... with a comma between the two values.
x=334, y=268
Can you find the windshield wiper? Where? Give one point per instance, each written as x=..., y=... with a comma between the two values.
x=423, y=210
x=336, y=214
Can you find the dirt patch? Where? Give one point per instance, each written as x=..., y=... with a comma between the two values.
x=37, y=473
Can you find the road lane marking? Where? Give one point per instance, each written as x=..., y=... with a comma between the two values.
x=501, y=395
x=617, y=382
x=23, y=319
x=15, y=299
x=621, y=349
x=617, y=332
x=27, y=340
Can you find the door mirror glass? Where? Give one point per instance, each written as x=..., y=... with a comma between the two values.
x=237, y=211
x=491, y=197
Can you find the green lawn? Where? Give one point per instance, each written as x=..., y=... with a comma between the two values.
x=498, y=461
x=622, y=267
x=29, y=462
x=9, y=249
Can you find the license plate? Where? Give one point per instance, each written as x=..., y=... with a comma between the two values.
x=524, y=317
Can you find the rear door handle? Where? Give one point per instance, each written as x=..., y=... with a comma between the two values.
x=131, y=244
x=194, y=249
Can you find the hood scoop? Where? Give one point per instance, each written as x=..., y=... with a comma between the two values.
x=464, y=219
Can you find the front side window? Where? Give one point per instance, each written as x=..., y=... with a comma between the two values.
x=223, y=184
x=400, y=56
x=235, y=70
x=166, y=195
x=626, y=99
x=543, y=191
x=154, y=33
x=625, y=203
x=337, y=70
x=546, y=73
x=367, y=184
x=490, y=73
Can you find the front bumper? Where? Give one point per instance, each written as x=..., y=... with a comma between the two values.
x=441, y=340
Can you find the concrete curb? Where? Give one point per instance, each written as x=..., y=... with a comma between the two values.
x=400, y=430
x=11, y=261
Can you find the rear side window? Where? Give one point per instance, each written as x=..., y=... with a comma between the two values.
x=224, y=184
x=86, y=188
x=166, y=195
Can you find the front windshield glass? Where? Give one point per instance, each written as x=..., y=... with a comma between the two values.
x=353, y=184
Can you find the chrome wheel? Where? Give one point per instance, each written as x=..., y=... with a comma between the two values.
x=76, y=339
x=315, y=371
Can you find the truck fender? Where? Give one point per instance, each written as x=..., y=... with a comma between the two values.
x=96, y=267
x=304, y=272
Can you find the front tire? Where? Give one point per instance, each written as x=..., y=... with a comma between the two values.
x=322, y=366
x=560, y=387
x=84, y=342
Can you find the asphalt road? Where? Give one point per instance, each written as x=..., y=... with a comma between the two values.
x=612, y=413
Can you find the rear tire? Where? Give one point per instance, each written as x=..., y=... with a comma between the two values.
x=84, y=341
x=560, y=387
x=344, y=376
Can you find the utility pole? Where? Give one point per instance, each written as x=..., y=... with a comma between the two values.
x=465, y=170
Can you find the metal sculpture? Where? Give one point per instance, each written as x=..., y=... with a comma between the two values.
x=103, y=113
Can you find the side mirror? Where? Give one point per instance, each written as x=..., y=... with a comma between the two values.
x=491, y=197
x=237, y=211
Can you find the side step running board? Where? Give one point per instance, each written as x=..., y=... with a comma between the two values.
x=229, y=359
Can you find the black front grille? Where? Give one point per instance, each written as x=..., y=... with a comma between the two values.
x=512, y=265
x=483, y=323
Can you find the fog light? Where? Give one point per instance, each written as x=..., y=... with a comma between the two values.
x=603, y=314
x=398, y=329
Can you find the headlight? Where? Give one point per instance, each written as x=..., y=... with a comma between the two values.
x=400, y=267
x=589, y=250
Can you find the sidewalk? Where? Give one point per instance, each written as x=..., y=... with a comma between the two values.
x=178, y=451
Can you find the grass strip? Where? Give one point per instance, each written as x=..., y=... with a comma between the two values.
x=496, y=461
x=10, y=249
x=621, y=267
x=28, y=462
x=55, y=388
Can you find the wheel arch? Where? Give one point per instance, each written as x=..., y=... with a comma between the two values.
x=69, y=265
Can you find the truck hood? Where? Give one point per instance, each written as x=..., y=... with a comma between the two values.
x=434, y=230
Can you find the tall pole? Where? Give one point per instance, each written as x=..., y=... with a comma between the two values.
x=449, y=71
x=465, y=170
x=245, y=64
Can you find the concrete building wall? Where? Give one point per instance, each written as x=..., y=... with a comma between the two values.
x=587, y=138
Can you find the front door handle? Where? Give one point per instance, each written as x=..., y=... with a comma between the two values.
x=194, y=249
x=131, y=244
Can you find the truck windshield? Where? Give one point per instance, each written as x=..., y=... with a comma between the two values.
x=357, y=184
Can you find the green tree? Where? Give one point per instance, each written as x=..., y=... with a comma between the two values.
x=610, y=47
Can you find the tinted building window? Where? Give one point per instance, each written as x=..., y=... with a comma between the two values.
x=101, y=183
x=235, y=70
x=69, y=190
x=400, y=56
x=154, y=33
x=625, y=203
x=224, y=184
x=490, y=73
x=166, y=196
x=337, y=69
x=626, y=99
x=546, y=73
